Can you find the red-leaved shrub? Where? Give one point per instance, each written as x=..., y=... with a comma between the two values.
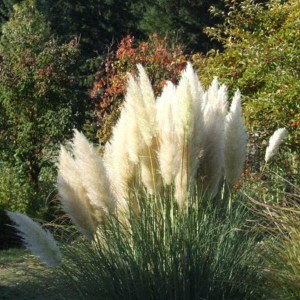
x=161, y=60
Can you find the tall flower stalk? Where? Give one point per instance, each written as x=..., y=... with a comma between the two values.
x=235, y=141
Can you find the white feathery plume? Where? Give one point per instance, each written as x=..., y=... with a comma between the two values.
x=149, y=102
x=39, y=241
x=148, y=159
x=183, y=110
x=235, y=141
x=164, y=106
x=183, y=116
x=136, y=110
x=274, y=143
x=197, y=137
x=222, y=98
x=150, y=173
x=73, y=196
x=93, y=174
x=214, y=123
x=204, y=100
x=195, y=85
x=212, y=93
x=141, y=126
x=168, y=154
x=134, y=139
x=117, y=162
x=188, y=123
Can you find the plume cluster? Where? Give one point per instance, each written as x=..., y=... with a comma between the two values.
x=186, y=137
x=83, y=185
x=39, y=241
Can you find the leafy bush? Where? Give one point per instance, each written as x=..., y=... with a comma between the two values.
x=162, y=61
x=15, y=193
x=261, y=58
x=38, y=98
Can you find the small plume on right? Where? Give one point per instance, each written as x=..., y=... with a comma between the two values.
x=274, y=143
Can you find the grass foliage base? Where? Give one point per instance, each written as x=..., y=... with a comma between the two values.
x=162, y=252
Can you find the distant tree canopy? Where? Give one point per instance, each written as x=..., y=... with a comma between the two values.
x=98, y=23
x=39, y=102
x=183, y=20
x=95, y=22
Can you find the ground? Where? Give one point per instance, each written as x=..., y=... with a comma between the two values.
x=16, y=281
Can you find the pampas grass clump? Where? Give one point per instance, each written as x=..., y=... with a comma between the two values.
x=152, y=204
x=186, y=138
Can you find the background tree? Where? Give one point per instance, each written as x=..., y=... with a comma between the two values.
x=39, y=103
x=181, y=20
x=261, y=57
x=96, y=23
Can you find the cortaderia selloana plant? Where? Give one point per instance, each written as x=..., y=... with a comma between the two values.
x=154, y=204
x=187, y=138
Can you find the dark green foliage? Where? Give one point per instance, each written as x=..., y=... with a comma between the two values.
x=38, y=99
x=6, y=8
x=96, y=23
x=201, y=252
x=180, y=20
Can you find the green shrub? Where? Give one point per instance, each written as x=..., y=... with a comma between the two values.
x=39, y=103
x=261, y=58
x=15, y=193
